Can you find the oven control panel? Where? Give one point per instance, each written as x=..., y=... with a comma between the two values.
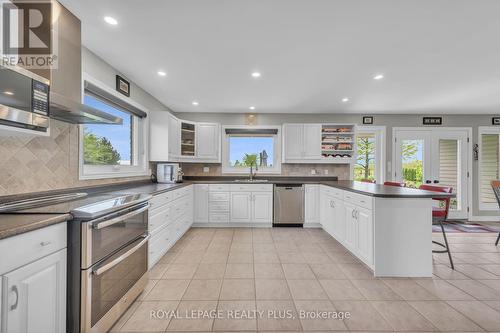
x=40, y=98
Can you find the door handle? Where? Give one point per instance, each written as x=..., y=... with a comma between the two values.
x=428, y=181
x=16, y=292
x=436, y=181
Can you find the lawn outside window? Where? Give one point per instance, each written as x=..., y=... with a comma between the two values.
x=243, y=146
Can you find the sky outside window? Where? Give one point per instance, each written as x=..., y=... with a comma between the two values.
x=239, y=146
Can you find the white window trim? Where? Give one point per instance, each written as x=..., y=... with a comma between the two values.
x=480, y=131
x=227, y=169
x=380, y=151
x=140, y=141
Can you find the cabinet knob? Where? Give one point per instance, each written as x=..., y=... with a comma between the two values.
x=45, y=243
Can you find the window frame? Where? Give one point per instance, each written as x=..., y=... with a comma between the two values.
x=228, y=169
x=380, y=150
x=488, y=206
x=140, y=144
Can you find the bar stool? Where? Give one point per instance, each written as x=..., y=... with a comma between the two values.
x=439, y=215
x=395, y=184
x=495, y=185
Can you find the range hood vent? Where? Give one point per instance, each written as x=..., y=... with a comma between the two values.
x=67, y=110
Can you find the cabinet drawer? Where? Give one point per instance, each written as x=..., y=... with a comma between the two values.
x=251, y=187
x=332, y=191
x=159, y=218
x=160, y=200
x=218, y=196
x=31, y=246
x=218, y=206
x=218, y=187
x=358, y=199
x=219, y=217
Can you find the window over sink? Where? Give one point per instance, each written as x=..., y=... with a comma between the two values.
x=246, y=146
x=112, y=150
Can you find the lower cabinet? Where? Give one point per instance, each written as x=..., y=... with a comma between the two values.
x=37, y=294
x=200, y=203
x=312, y=205
x=349, y=221
x=241, y=207
x=33, y=281
x=169, y=218
x=251, y=207
x=262, y=207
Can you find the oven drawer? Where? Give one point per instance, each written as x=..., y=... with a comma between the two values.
x=104, y=284
x=103, y=236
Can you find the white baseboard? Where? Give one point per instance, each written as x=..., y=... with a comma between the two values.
x=311, y=225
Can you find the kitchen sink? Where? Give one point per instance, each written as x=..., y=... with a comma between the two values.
x=251, y=180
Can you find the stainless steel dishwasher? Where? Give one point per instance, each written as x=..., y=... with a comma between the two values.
x=288, y=205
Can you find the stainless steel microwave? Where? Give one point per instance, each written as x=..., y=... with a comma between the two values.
x=24, y=99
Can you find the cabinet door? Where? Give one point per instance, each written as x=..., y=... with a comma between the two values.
x=351, y=226
x=262, y=207
x=34, y=296
x=174, y=139
x=312, y=142
x=207, y=141
x=158, y=135
x=241, y=210
x=312, y=204
x=201, y=203
x=339, y=219
x=365, y=235
x=294, y=141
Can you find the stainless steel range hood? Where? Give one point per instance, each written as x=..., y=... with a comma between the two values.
x=67, y=110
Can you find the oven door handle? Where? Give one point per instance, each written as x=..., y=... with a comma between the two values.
x=120, y=218
x=108, y=266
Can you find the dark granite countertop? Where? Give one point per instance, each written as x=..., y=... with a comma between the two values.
x=15, y=224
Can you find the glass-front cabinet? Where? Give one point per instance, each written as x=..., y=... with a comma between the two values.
x=188, y=139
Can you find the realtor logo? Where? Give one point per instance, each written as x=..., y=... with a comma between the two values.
x=28, y=34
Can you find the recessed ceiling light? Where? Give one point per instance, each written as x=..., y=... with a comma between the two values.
x=110, y=20
x=378, y=77
x=195, y=103
x=10, y=93
x=162, y=73
x=345, y=99
x=252, y=108
x=256, y=75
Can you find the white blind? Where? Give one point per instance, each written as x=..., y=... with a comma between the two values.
x=489, y=166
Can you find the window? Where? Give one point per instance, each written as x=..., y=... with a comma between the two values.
x=246, y=146
x=108, y=150
x=370, y=156
x=488, y=166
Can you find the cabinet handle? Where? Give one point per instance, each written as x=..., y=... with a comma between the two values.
x=352, y=213
x=16, y=292
x=45, y=243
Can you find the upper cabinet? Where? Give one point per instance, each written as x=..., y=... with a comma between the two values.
x=319, y=143
x=175, y=140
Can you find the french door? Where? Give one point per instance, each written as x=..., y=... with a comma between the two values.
x=438, y=156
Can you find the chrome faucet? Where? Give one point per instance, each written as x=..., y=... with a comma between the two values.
x=253, y=174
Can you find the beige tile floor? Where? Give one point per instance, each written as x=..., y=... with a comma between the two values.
x=294, y=271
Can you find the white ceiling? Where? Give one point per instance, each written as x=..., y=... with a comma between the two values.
x=438, y=56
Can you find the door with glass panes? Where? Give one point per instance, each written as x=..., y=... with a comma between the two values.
x=437, y=156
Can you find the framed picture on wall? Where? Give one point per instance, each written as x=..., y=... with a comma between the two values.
x=495, y=121
x=368, y=120
x=122, y=86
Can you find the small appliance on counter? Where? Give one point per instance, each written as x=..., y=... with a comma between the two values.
x=168, y=173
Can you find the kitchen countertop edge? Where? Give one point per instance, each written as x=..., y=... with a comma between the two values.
x=39, y=221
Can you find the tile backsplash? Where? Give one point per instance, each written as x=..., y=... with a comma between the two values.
x=41, y=163
x=340, y=170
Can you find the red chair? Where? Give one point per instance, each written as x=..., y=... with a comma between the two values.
x=439, y=215
x=368, y=181
x=395, y=184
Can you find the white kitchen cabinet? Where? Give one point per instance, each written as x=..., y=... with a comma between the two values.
x=364, y=220
x=293, y=141
x=312, y=204
x=159, y=135
x=201, y=203
x=312, y=142
x=34, y=296
x=339, y=221
x=207, y=142
x=241, y=207
x=262, y=207
x=174, y=139
x=351, y=227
